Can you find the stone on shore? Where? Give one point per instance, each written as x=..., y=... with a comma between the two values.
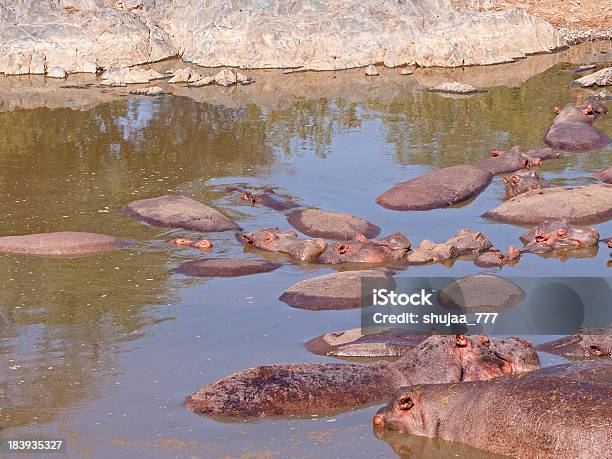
x=406, y=71
x=602, y=77
x=441, y=188
x=204, y=81
x=64, y=243
x=331, y=225
x=341, y=290
x=180, y=75
x=151, y=91
x=371, y=70
x=225, y=267
x=176, y=211
x=57, y=72
x=582, y=204
x=128, y=75
x=455, y=88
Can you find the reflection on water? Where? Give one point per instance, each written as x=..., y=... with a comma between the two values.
x=103, y=349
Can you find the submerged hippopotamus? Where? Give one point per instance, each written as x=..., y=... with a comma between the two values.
x=203, y=244
x=288, y=242
x=523, y=181
x=265, y=197
x=464, y=242
x=605, y=175
x=580, y=345
x=495, y=258
x=558, y=234
x=559, y=411
x=573, y=129
x=363, y=250
x=503, y=161
x=312, y=388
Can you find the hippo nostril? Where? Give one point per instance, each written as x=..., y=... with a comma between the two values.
x=247, y=239
x=343, y=248
x=378, y=421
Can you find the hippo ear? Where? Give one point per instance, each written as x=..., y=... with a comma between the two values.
x=404, y=403
x=506, y=180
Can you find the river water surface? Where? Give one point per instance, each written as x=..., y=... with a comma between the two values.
x=102, y=350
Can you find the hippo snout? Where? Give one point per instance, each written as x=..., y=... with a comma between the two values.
x=379, y=421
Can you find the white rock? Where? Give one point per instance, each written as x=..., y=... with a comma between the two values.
x=204, y=81
x=128, y=75
x=149, y=91
x=89, y=67
x=406, y=71
x=57, y=72
x=38, y=66
x=371, y=70
x=180, y=76
x=195, y=76
x=243, y=79
x=226, y=77
x=455, y=88
x=602, y=77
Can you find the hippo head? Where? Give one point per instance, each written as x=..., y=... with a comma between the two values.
x=516, y=154
x=407, y=412
x=363, y=250
x=523, y=181
x=593, y=108
x=271, y=239
x=559, y=234
x=250, y=197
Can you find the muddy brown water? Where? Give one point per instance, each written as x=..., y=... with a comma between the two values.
x=101, y=350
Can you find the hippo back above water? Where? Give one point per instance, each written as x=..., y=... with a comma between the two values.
x=572, y=129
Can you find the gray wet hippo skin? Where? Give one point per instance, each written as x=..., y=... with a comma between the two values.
x=356, y=343
x=578, y=205
x=558, y=234
x=441, y=188
x=555, y=412
x=523, y=181
x=225, y=267
x=275, y=240
x=503, y=161
x=363, y=250
x=331, y=225
x=464, y=242
x=573, y=129
x=312, y=388
x=63, y=243
x=266, y=197
x=580, y=346
x=176, y=211
x=605, y=175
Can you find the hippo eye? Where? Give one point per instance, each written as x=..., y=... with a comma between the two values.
x=562, y=233
x=514, y=180
x=405, y=403
x=595, y=350
x=343, y=248
x=268, y=237
x=460, y=340
x=485, y=341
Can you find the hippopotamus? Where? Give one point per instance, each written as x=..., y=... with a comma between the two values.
x=438, y=189
x=62, y=243
x=559, y=411
x=464, y=242
x=313, y=388
x=605, y=175
x=266, y=197
x=558, y=234
x=495, y=258
x=481, y=293
x=580, y=345
x=363, y=250
x=331, y=225
x=523, y=181
x=608, y=241
x=511, y=160
x=203, y=244
x=177, y=211
x=225, y=267
x=573, y=129
x=288, y=242
x=579, y=205
x=356, y=343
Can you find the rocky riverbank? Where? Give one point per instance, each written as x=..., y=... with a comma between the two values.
x=89, y=35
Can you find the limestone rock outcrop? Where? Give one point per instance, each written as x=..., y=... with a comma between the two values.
x=82, y=35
